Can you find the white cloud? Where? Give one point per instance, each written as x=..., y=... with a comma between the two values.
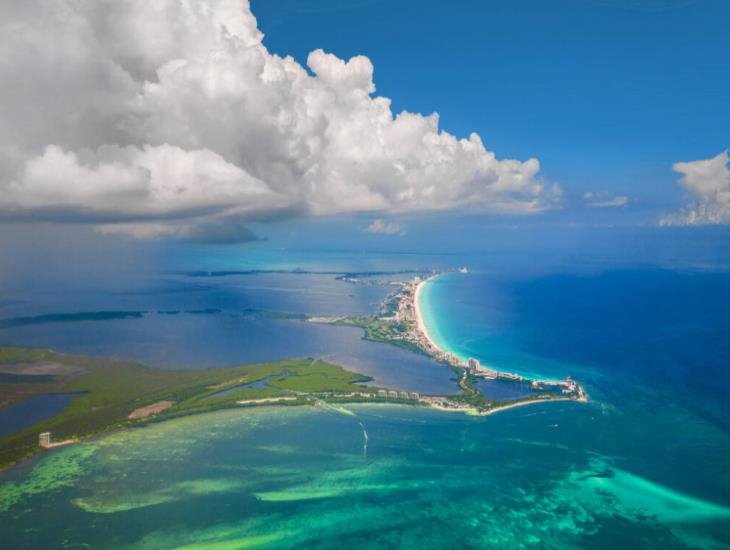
x=174, y=110
x=709, y=181
x=604, y=200
x=380, y=226
x=152, y=180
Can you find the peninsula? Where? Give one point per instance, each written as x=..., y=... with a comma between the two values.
x=400, y=322
x=111, y=394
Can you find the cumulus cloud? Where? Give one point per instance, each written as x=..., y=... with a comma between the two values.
x=604, y=200
x=159, y=117
x=709, y=182
x=381, y=227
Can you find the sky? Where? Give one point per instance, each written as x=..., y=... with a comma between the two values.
x=214, y=121
x=607, y=94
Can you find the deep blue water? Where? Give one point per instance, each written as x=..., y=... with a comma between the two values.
x=26, y=413
x=669, y=330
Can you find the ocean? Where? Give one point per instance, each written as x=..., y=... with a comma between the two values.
x=643, y=464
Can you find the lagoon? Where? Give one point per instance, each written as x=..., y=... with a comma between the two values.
x=30, y=411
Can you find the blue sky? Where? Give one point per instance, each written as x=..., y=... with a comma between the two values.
x=607, y=94
x=173, y=121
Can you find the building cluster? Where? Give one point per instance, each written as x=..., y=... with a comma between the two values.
x=381, y=394
x=392, y=394
x=432, y=400
x=474, y=368
x=362, y=394
x=405, y=312
x=511, y=376
x=568, y=387
x=402, y=308
x=444, y=403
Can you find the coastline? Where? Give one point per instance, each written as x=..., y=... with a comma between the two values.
x=400, y=321
x=419, y=314
x=413, y=313
x=473, y=411
x=410, y=311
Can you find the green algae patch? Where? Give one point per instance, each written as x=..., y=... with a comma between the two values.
x=278, y=449
x=302, y=494
x=112, y=501
x=100, y=505
x=57, y=470
x=357, y=478
x=314, y=493
x=236, y=543
x=255, y=533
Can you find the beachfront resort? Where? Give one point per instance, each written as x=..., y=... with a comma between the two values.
x=400, y=321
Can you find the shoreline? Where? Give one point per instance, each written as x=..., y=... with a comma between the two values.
x=473, y=411
x=410, y=312
x=419, y=315
x=278, y=403
x=400, y=321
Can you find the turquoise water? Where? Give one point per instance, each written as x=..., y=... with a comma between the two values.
x=644, y=464
x=652, y=330
x=455, y=308
x=280, y=478
x=651, y=346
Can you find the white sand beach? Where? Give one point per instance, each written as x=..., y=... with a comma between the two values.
x=419, y=314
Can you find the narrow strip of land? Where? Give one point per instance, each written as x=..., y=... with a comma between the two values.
x=116, y=394
x=400, y=322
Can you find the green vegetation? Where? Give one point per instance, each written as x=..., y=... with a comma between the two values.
x=109, y=390
x=378, y=329
x=469, y=395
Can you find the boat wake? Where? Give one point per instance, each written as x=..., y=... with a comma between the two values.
x=365, y=444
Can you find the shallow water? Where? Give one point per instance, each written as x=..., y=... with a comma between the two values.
x=644, y=463
x=289, y=477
